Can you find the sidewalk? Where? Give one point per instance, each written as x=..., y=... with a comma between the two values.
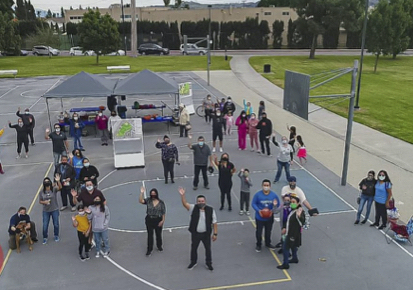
x=324, y=133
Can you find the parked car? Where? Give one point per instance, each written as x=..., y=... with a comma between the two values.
x=192, y=48
x=152, y=48
x=77, y=50
x=12, y=52
x=45, y=50
x=118, y=52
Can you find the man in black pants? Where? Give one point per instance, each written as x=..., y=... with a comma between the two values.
x=203, y=223
x=67, y=177
x=265, y=127
x=21, y=137
x=217, y=124
x=28, y=121
x=201, y=155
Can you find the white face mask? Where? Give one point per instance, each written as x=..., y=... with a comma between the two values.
x=284, y=141
x=26, y=113
x=76, y=118
x=381, y=177
x=266, y=188
x=218, y=114
x=89, y=188
x=86, y=164
x=81, y=213
x=20, y=124
x=57, y=130
x=100, y=114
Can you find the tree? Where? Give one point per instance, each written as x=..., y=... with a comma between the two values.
x=8, y=33
x=54, y=15
x=276, y=3
x=63, y=28
x=6, y=7
x=49, y=14
x=62, y=12
x=167, y=2
x=71, y=28
x=45, y=36
x=400, y=22
x=178, y=3
x=277, y=30
x=80, y=7
x=71, y=8
x=99, y=33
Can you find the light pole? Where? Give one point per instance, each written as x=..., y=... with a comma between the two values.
x=209, y=24
x=363, y=44
x=209, y=45
x=123, y=27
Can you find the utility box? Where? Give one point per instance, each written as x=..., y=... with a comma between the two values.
x=267, y=68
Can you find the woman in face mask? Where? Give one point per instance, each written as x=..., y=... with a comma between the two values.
x=22, y=138
x=292, y=235
x=226, y=170
x=283, y=158
x=48, y=198
x=155, y=217
x=102, y=127
x=253, y=132
x=367, y=187
x=88, y=172
x=99, y=214
x=76, y=127
x=382, y=196
x=169, y=156
x=76, y=160
x=242, y=124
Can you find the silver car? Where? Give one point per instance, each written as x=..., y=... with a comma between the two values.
x=45, y=50
x=77, y=50
x=192, y=48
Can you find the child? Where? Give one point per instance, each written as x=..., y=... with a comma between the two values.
x=83, y=230
x=291, y=141
x=229, y=122
x=247, y=108
x=246, y=183
x=284, y=213
x=261, y=109
x=302, y=152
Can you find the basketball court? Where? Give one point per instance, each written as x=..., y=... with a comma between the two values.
x=335, y=254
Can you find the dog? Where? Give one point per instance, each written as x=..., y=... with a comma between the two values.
x=21, y=233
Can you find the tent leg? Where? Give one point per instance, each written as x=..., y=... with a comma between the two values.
x=48, y=114
x=61, y=103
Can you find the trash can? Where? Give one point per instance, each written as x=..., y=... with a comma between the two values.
x=122, y=111
x=267, y=68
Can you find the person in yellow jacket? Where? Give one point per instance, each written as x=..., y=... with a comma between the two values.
x=1, y=167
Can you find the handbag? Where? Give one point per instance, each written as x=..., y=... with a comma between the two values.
x=188, y=126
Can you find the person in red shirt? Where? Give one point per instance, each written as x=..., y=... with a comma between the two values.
x=102, y=127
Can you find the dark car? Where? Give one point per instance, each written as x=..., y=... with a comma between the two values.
x=152, y=48
x=13, y=52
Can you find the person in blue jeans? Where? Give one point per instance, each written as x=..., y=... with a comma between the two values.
x=283, y=158
x=367, y=187
x=99, y=214
x=76, y=126
x=48, y=198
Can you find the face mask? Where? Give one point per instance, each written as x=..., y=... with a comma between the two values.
x=78, y=154
x=293, y=206
x=57, y=130
x=113, y=115
x=153, y=196
x=284, y=141
x=26, y=112
x=286, y=203
x=381, y=177
x=100, y=114
x=266, y=188
x=96, y=202
x=75, y=118
x=246, y=174
x=209, y=99
x=243, y=116
x=64, y=162
x=20, y=124
x=201, y=204
x=229, y=101
x=81, y=213
x=167, y=141
x=252, y=117
x=218, y=114
x=47, y=183
x=201, y=143
x=292, y=186
x=89, y=188
x=224, y=159
x=264, y=117
x=86, y=164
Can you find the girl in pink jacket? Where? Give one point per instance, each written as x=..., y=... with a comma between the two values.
x=253, y=132
x=242, y=124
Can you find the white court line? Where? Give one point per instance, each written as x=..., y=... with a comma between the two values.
x=8, y=91
x=133, y=275
x=177, y=228
x=107, y=175
x=336, y=212
x=352, y=207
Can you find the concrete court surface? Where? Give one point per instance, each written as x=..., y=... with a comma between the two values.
x=356, y=256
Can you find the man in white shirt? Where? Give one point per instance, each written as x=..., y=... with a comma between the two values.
x=293, y=188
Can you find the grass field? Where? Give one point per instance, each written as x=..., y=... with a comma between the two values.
x=45, y=66
x=385, y=97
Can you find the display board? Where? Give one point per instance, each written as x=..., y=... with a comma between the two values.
x=128, y=149
x=185, y=96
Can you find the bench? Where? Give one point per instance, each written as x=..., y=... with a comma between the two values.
x=9, y=72
x=118, y=67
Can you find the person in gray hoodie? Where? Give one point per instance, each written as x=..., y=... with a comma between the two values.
x=246, y=184
x=100, y=216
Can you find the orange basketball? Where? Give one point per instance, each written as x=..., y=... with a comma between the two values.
x=266, y=213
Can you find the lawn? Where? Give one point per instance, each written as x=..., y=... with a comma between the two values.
x=385, y=96
x=44, y=66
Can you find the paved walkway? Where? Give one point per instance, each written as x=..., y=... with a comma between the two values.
x=324, y=133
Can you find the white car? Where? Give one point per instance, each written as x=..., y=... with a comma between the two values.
x=119, y=52
x=192, y=48
x=45, y=50
x=77, y=50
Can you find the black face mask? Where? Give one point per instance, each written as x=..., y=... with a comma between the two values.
x=97, y=202
x=201, y=205
x=47, y=183
x=292, y=186
x=224, y=159
x=153, y=197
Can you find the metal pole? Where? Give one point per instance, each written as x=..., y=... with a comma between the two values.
x=349, y=124
x=209, y=24
x=363, y=44
x=123, y=28
x=208, y=57
x=48, y=114
x=134, y=32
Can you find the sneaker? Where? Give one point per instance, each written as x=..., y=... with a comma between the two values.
x=229, y=208
x=56, y=239
x=270, y=246
x=44, y=241
x=221, y=208
x=258, y=249
x=382, y=227
x=148, y=253
x=279, y=245
x=209, y=267
x=33, y=144
x=63, y=208
x=283, y=267
x=192, y=265
x=35, y=240
x=160, y=249
x=106, y=254
x=195, y=188
x=248, y=212
x=97, y=255
x=207, y=186
x=275, y=181
x=214, y=150
x=73, y=208
x=252, y=150
x=87, y=257
x=18, y=156
x=172, y=181
x=82, y=258
x=27, y=156
x=356, y=222
x=220, y=150
x=241, y=212
x=363, y=222
x=374, y=225
x=292, y=261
